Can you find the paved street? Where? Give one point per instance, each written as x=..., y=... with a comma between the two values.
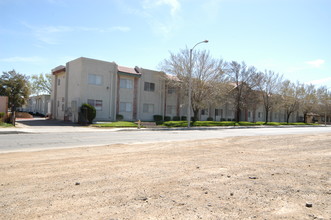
x=41, y=135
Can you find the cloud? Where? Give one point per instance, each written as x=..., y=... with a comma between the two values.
x=32, y=59
x=50, y=34
x=152, y=4
x=316, y=63
x=320, y=81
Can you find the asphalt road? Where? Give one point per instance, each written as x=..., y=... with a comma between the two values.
x=42, y=138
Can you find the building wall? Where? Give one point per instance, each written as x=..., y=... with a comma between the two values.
x=4, y=104
x=87, y=80
x=91, y=80
x=154, y=98
x=38, y=104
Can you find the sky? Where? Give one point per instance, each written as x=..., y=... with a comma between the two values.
x=289, y=37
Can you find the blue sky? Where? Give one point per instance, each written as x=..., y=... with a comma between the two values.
x=291, y=37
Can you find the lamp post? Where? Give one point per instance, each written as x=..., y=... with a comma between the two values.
x=190, y=85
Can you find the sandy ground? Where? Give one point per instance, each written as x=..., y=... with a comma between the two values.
x=232, y=178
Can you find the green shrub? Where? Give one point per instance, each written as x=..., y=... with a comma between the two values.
x=222, y=119
x=119, y=117
x=157, y=117
x=183, y=118
x=210, y=119
x=176, y=118
x=175, y=123
x=89, y=112
x=2, y=116
x=167, y=118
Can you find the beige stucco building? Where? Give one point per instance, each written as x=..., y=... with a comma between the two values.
x=38, y=104
x=134, y=93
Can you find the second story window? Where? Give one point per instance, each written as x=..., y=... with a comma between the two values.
x=94, y=79
x=126, y=83
x=148, y=86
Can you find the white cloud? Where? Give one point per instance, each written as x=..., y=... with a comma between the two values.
x=152, y=4
x=32, y=59
x=316, y=63
x=320, y=81
x=50, y=34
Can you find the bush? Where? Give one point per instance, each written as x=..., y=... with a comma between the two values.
x=119, y=117
x=176, y=118
x=88, y=112
x=2, y=116
x=167, y=118
x=157, y=117
x=210, y=119
x=193, y=119
x=183, y=118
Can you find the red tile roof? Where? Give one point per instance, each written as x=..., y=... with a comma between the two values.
x=58, y=69
x=129, y=70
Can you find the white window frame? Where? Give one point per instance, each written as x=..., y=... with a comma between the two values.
x=126, y=83
x=97, y=104
x=94, y=79
x=171, y=110
x=148, y=108
x=149, y=86
x=125, y=107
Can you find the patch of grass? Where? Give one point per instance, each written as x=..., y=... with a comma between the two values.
x=246, y=123
x=118, y=124
x=172, y=124
x=5, y=125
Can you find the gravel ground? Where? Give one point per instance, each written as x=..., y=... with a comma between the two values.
x=269, y=177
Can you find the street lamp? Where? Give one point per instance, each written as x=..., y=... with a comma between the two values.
x=190, y=85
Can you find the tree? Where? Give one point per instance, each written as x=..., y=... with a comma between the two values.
x=206, y=72
x=308, y=99
x=324, y=99
x=41, y=84
x=289, y=97
x=243, y=80
x=16, y=87
x=269, y=84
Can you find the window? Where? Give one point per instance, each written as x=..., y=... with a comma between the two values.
x=62, y=109
x=148, y=108
x=96, y=103
x=126, y=83
x=171, y=110
x=259, y=115
x=249, y=114
x=219, y=112
x=125, y=107
x=94, y=79
x=171, y=90
x=204, y=112
x=58, y=82
x=149, y=86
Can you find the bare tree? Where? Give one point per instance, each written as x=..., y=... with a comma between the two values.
x=243, y=80
x=41, y=84
x=269, y=85
x=206, y=73
x=308, y=99
x=324, y=99
x=290, y=97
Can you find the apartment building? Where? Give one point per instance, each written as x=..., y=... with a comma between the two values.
x=135, y=93
x=38, y=104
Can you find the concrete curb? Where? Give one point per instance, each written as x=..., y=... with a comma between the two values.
x=31, y=130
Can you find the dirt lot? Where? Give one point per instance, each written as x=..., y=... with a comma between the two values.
x=233, y=178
